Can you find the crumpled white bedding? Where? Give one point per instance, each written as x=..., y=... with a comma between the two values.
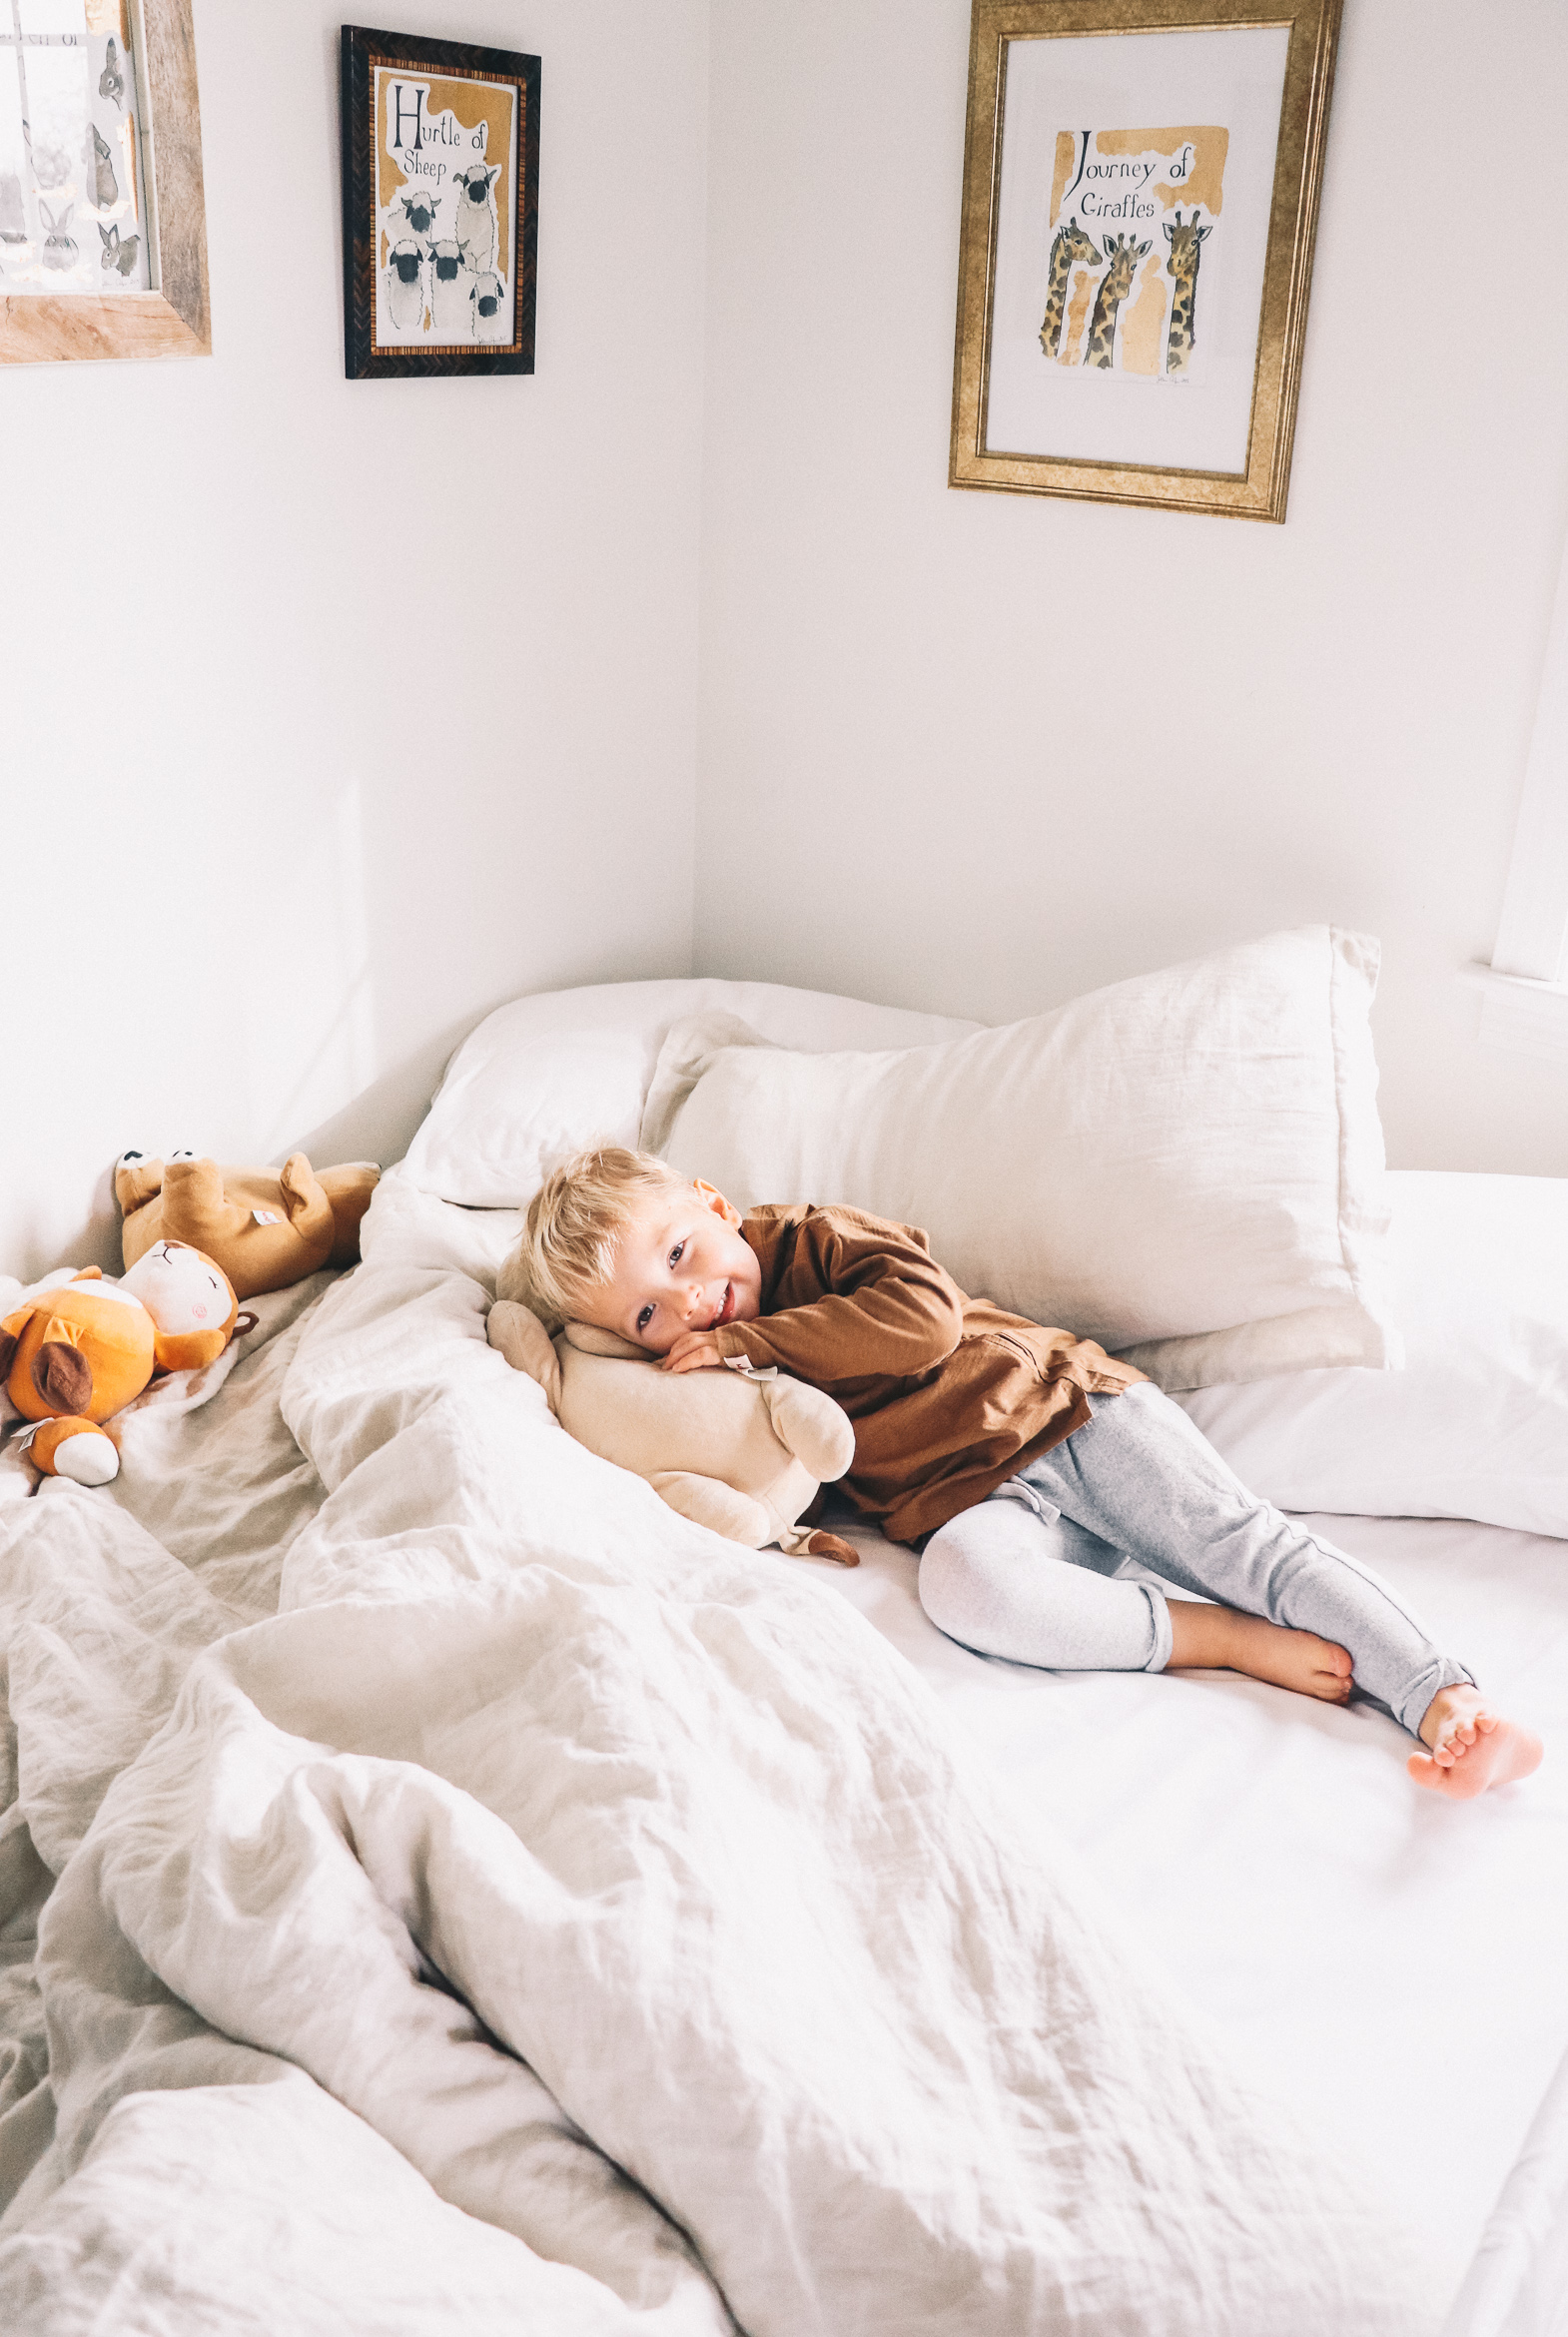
x=468, y=1894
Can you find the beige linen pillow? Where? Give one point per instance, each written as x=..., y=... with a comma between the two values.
x=1186, y=1167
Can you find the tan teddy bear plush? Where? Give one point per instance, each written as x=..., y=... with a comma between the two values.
x=742, y=1452
x=267, y=1228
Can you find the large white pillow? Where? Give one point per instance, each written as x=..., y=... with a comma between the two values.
x=1476, y=1424
x=544, y=1076
x=1187, y=1167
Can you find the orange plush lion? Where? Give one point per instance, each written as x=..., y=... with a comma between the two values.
x=80, y=1350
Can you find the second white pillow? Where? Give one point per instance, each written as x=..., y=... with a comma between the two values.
x=1186, y=1167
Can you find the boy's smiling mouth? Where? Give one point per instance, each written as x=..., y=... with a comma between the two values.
x=726, y=1308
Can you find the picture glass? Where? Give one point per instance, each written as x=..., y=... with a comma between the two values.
x=1133, y=218
x=447, y=150
x=72, y=210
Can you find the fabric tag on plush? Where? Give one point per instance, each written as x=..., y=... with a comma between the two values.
x=266, y=1216
x=752, y=1370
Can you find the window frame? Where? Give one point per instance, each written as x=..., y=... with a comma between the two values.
x=1524, y=1004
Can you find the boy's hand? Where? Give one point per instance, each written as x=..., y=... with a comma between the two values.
x=692, y=1351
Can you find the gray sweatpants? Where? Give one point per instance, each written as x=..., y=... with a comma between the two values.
x=1049, y=1569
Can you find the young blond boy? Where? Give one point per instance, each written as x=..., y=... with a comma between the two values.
x=1043, y=1481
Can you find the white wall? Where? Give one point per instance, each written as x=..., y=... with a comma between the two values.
x=930, y=772
x=289, y=795
x=335, y=712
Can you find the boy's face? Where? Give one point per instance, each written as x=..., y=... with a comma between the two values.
x=680, y=1266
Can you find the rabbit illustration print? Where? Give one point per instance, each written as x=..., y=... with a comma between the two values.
x=61, y=251
x=111, y=82
x=106, y=187
x=120, y=254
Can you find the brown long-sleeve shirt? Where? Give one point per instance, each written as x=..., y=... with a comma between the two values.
x=950, y=1396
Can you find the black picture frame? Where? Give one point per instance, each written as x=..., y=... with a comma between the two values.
x=377, y=344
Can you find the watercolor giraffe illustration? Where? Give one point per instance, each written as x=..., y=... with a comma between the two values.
x=1070, y=246
x=1124, y=255
x=1185, y=240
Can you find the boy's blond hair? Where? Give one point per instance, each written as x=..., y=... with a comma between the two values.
x=573, y=1228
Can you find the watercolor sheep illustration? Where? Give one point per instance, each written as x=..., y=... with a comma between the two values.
x=479, y=229
x=489, y=322
x=418, y=210
x=405, y=285
x=451, y=289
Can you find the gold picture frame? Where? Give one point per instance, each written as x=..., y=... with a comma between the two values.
x=1142, y=388
x=174, y=318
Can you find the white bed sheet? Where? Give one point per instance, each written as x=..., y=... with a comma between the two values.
x=1390, y=1963
x=677, y=1828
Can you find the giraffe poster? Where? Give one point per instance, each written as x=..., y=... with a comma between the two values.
x=1131, y=213
x=1120, y=240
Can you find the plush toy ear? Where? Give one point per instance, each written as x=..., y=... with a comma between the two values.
x=187, y=1350
x=63, y=1377
x=517, y=1334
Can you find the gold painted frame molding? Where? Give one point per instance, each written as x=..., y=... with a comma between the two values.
x=1258, y=489
x=174, y=318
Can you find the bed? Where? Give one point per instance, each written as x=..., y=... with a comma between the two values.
x=441, y=1886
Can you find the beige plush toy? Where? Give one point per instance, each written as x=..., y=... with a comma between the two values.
x=742, y=1452
x=265, y=1227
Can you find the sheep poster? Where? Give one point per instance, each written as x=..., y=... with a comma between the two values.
x=440, y=191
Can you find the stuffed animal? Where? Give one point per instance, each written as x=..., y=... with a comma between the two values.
x=741, y=1451
x=263, y=1227
x=80, y=1350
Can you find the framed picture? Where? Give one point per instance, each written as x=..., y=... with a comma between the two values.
x=441, y=195
x=1141, y=186
x=102, y=217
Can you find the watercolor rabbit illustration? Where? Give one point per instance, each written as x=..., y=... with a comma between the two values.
x=117, y=254
x=60, y=249
x=107, y=187
x=111, y=82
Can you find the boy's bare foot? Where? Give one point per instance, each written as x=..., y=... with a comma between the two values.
x=1219, y=1638
x=1471, y=1748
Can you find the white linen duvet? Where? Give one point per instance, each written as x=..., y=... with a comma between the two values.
x=482, y=1899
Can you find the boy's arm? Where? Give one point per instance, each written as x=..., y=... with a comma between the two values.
x=888, y=1311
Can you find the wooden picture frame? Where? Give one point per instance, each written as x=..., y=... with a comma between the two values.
x=441, y=202
x=1131, y=304
x=173, y=318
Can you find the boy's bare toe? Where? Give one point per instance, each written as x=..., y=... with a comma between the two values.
x=1502, y=1753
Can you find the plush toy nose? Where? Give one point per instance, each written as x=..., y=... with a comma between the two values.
x=63, y=1377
